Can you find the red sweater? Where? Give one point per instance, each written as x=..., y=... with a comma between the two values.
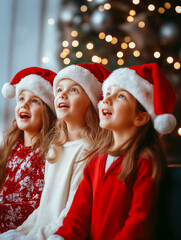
x=21, y=191
x=105, y=208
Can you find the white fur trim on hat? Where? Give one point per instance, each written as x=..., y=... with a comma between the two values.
x=129, y=80
x=84, y=77
x=39, y=86
x=8, y=90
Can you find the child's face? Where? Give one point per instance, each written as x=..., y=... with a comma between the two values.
x=117, y=111
x=28, y=112
x=71, y=102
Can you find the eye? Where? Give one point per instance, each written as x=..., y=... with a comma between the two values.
x=122, y=96
x=35, y=101
x=20, y=99
x=59, y=90
x=108, y=94
x=74, y=90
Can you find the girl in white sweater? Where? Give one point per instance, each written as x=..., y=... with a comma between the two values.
x=77, y=90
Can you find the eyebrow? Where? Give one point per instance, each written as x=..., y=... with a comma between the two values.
x=33, y=96
x=73, y=85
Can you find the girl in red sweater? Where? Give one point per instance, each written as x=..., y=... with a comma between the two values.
x=21, y=163
x=117, y=196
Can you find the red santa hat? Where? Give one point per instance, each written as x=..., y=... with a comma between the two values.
x=90, y=76
x=35, y=79
x=149, y=85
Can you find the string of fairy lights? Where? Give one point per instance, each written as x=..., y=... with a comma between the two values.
x=65, y=54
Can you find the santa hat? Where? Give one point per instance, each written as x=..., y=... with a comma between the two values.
x=90, y=76
x=35, y=79
x=149, y=85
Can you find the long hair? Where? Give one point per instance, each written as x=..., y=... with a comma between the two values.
x=59, y=135
x=145, y=143
x=13, y=134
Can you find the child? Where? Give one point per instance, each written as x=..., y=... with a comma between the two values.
x=117, y=196
x=77, y=90
x=21, y=163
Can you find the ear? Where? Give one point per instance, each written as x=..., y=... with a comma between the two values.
x=141, y=119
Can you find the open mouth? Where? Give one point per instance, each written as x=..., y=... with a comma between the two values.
x=62, y=105
x=24, y=115
x=106, y=112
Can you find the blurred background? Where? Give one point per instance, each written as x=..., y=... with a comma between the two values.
x=117, y=33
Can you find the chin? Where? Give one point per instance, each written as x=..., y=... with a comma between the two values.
x=103, y=125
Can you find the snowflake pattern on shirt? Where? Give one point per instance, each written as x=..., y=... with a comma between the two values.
x=21, y=191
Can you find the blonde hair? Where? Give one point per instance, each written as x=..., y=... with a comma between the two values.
x=145, y=143
x=13, y=134
x=59, y=135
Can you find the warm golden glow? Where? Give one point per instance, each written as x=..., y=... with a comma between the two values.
x=99, y=60
x=83, y=8
x=66, y=50
x=120, y=62
x=176, y=65
x=107, y=6
x=51, y=21
x=74, y=33
x=151, y=7
x=156, y=54
x=127, y=39
x=95, y=58
x=120, y=54
x=167, y=5
x=161, y=10
x=79, y=54
x=75, y=43
x=45, y=59
x=141, y=24
x=136, y=53
x=101, y=8
x=178, y=9
x=63, y=54
x=130, y=19
x=89, y=46
x=136, y=2
x=124, y=45
x=66, y=61
x=132, y=45
x=104, y=61
x=102, y=35
x=65, y=43
x=132, y=12
x=170, y=60
x=114, y=40
x=179, y=131
x=108, y=38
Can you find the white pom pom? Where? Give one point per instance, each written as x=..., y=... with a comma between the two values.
x=165, y=123
x=8, y=90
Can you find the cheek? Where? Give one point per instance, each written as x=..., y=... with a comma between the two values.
x=37, y=113
x=16, y=110
x=81, y=105
x=55, y=102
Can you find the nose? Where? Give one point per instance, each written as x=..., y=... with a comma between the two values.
x=25, y=105
x=63, y=95
x=107, y=100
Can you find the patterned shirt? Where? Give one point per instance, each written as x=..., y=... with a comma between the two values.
x=21, y=191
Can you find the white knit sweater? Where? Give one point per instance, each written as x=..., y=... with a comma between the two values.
x=61, y=181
